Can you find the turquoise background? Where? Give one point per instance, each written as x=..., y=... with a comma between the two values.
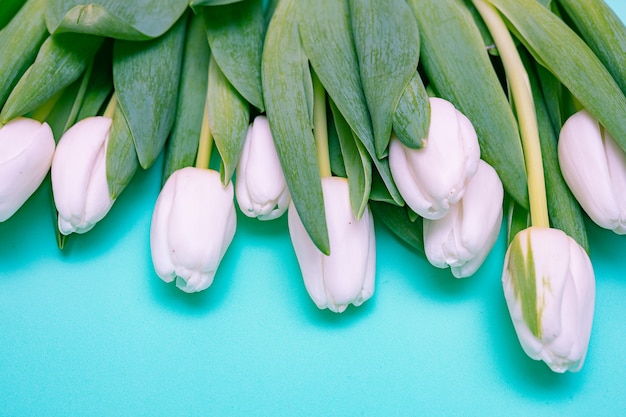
x=93, y=331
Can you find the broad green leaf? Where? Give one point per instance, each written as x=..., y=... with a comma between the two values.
x=61, y=60
x=289, y=114
x=146, y=76
x=58, y=117
x=356, y=162
x=337, y=166
x=387, y=46
x=121, y=157
x=235, y=32
x=456, y=62
x=20, y=40
x=398, y=221
x=569, y=58
x=119, y=19
x=8, y=10
x=563, y=209
x=182, y=145
x=412, y=116
x=229, y=116
x=603, y=31
x=327, y=41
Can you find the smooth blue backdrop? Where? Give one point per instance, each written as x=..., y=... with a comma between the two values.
x=93, y=331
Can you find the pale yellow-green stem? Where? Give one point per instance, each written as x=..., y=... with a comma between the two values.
x=110, y=109
x=320, y=129
x=206, y=139
x=525, y=108
x=42, y=112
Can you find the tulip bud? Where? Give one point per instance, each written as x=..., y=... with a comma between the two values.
x=549, y=287
x=260, y=186
x=463, y=238
x=26, y=151
x=79, y=182
x=433, y=178
x=347, y=275
x=193, y=224
x=594, y=168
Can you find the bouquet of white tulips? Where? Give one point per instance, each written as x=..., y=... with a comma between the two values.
x=443, y=119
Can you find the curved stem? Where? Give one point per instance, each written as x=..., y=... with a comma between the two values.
x=525, y=108
x=320, y=128
x=206, y=139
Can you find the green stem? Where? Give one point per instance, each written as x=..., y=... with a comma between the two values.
x=110, y=109
x=206, y=139
x=42, y=112
x=525, y=108
x=320, y=128
x=80, y=96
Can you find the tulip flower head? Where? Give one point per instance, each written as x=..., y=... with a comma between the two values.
x=432, y=179
x=463, y=238
x=79, y=182
x=193, y=224
x=594, y=168
x=346, y=276
x=26, y=152
x=260, y=187
x=549, y=287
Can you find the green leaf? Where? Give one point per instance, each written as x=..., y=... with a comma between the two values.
x=569, y=58
x=289, y=114
x=24, y=34
x=456, y=62
x=119, y=19
x=399, y=222
x=387, y=46
x=100, y=83
x=61, y=60
x=603, y=31
x=229, y=116
x=327, y=40
x=236, y=32
x=412, y=116
x=58, y=117
x=563, y=209
x=198, y=3
x=146, y=76
x=182, y=145
x=9, y=9
x=356, y=162
x=121, y=157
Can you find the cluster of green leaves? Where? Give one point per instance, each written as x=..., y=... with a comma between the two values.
x=166, y=62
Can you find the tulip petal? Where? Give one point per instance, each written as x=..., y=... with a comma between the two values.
x=26, y=152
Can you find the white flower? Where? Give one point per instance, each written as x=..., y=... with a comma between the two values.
x=549, y=287
x=260, y=184
x=594, y=167
x=347, y=275
x=26, y=151
x=463, y=238
x=193, y=224
x=433, y=178
x=79, y=183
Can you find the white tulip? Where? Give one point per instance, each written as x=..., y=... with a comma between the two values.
x=26, y=151
x=463, y=238
x=79, y=182
x=193, y=223
x=594, y=167
x=432, y=179
x=347, y=275
x=260, y=184
x=549, y=287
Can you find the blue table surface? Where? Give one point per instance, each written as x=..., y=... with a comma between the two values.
x=93, y=331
